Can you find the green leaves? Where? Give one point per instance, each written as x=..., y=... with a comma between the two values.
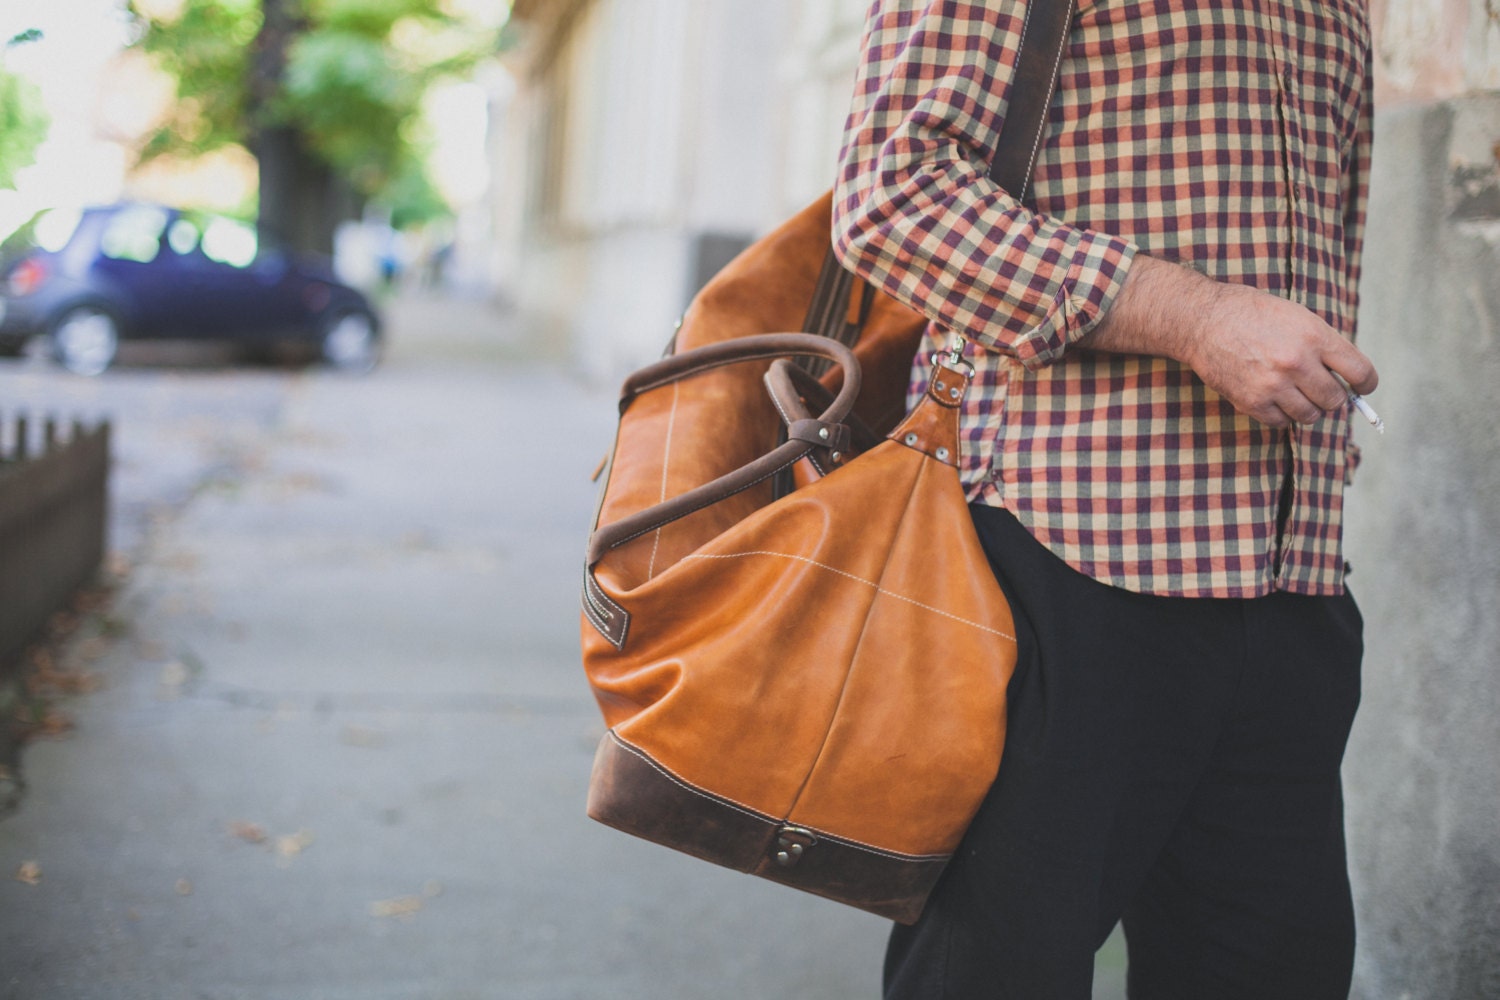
x=352, y=98
x=348, y=75
x=207, y=51
x=23, y=118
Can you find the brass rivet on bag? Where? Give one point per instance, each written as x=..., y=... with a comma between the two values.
x=823, y=433
x=954, y=393
x=942, y=454
x=911, y=440
x=793, y=841
x=837, y=457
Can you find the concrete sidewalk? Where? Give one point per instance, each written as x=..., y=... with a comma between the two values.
x=343, y=749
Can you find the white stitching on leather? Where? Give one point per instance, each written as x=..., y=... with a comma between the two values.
x=859, y=579
x=786, y=418
x=714, y=500
x=712, y=797
x=593, y=603
x=759, y=354
x=871, y=848
x=1036, y=142
x=624, y=617
x=740, y=807
x=600, y=625
x=666, y=461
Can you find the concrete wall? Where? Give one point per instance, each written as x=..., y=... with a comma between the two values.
x=1423, y=768
x=642, y=142
x=1428, y=50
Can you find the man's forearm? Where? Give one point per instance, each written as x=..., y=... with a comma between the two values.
x=1149, y=315
x=1268, y=356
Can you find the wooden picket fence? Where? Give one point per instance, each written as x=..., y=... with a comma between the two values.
x=54, y=509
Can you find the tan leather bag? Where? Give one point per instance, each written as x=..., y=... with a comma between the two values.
x=803, y=676
x=814, y=693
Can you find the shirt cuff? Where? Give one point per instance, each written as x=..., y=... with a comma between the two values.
x=1075, y=301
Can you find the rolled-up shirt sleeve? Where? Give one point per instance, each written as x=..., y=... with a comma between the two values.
x=915, y=212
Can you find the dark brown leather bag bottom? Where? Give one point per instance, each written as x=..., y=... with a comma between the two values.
x=633, y=793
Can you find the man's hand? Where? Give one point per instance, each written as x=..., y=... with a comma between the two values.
x=1268, y=356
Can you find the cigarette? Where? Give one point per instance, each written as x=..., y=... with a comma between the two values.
x=1358, y=402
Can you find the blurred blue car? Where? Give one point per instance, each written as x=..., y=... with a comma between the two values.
x=138, y=271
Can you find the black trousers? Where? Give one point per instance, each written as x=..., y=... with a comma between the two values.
x=1172, y=762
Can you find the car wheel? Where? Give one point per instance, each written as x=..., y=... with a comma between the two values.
x=85, y=339
x=351, y=341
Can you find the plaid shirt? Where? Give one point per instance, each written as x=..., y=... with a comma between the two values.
x=1232, y=135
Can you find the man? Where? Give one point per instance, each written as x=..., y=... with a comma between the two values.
x=1156, y=444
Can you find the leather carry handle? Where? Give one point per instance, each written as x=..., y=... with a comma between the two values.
x=795, y=390
x=804, y=433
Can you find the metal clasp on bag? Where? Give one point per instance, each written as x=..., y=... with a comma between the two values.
x=791, y=843
x=953, y=356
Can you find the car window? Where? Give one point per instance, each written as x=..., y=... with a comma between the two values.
x=134, y=234
x=182, y=237
x=230, y=241
x=54, y=228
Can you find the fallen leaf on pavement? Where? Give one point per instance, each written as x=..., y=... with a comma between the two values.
x=53, y=724
x=30, y=872
x=294, y=844
x=252, y=833
x=405, y=907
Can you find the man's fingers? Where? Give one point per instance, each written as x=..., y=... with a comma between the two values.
x=1273, y=416
x=1293, y=405
x=1352, y=366
x=1299, y=409
x=1324, y=391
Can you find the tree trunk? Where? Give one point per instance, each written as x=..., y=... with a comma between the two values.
x=300, y=203
x=302, y=200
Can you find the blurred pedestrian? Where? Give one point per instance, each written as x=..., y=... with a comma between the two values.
x=1156, y=446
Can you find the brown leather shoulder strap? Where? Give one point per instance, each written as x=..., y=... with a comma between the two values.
x=1043, y=39
x=1044, y=36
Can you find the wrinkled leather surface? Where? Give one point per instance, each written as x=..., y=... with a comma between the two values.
x=633, y=793
x=835, y=660
x=688, y=433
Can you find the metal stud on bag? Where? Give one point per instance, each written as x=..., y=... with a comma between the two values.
x=792, y=842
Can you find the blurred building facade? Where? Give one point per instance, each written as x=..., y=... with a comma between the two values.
x=650, y=139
